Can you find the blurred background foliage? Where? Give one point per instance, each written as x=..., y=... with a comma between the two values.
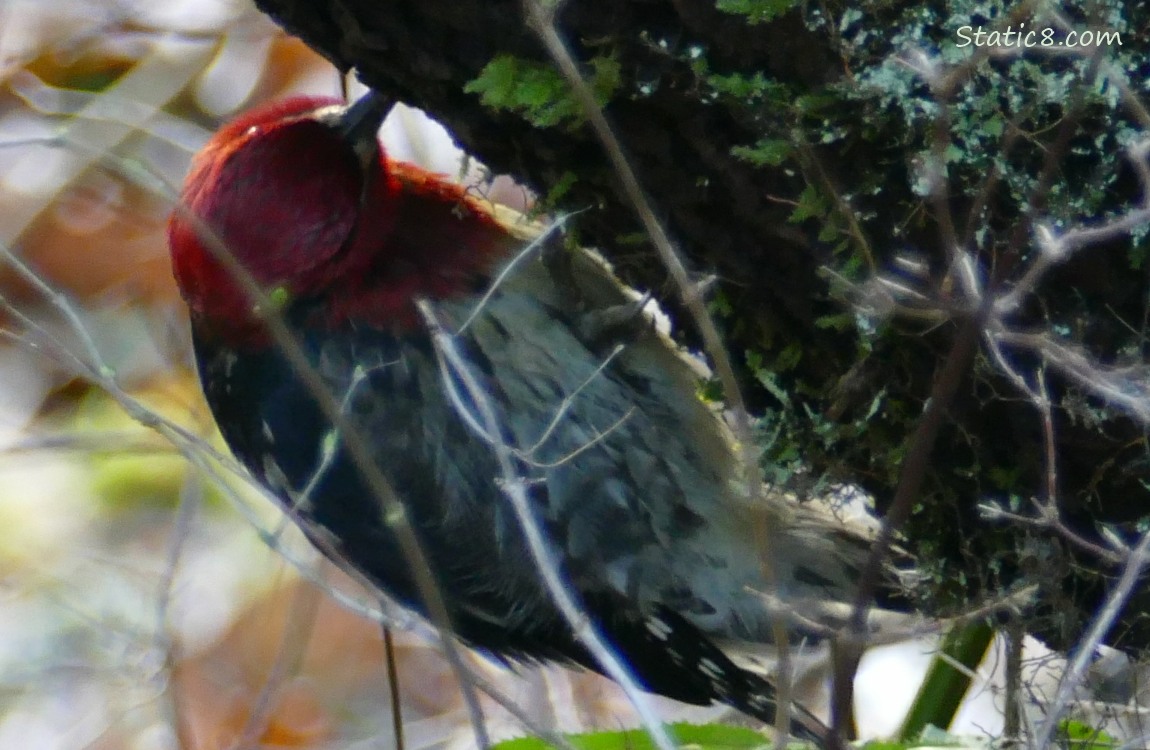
x=139, y=609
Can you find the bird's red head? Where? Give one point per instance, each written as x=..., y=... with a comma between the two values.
x=305, y=200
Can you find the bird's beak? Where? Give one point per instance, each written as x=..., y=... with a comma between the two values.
x=361, y=121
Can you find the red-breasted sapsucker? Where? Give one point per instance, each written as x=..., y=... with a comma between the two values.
x=632, y=479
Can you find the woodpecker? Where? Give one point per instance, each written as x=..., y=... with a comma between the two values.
x=632, y=479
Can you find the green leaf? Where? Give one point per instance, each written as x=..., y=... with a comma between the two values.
x=703, y=737
x=756, y=11
x=1085, y=737
x=769, y=152
x=744, y=88
x=811, y=206
x=837, y=321
x=540, y=94
x=944, y=686
x=788, y=358
x=560, y=188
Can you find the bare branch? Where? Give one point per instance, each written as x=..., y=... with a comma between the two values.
x=1128, y=388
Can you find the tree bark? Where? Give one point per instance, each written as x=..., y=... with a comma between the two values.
x=733, y=218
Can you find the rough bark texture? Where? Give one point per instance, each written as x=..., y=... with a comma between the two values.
x=732, y=219
x=716, y=205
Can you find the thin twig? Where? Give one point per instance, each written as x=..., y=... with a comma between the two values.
x=299, y=623
x=531, y=248
x=1084, y=652
x=191, y=500
x=393, y=688
x=455, y=367
x=1012, y=709
x=392, y=510
x=540, y=18
x=1045, y=523
x=1127, y=388
x=910, y=481
x=393, y=513
x=569, y=400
